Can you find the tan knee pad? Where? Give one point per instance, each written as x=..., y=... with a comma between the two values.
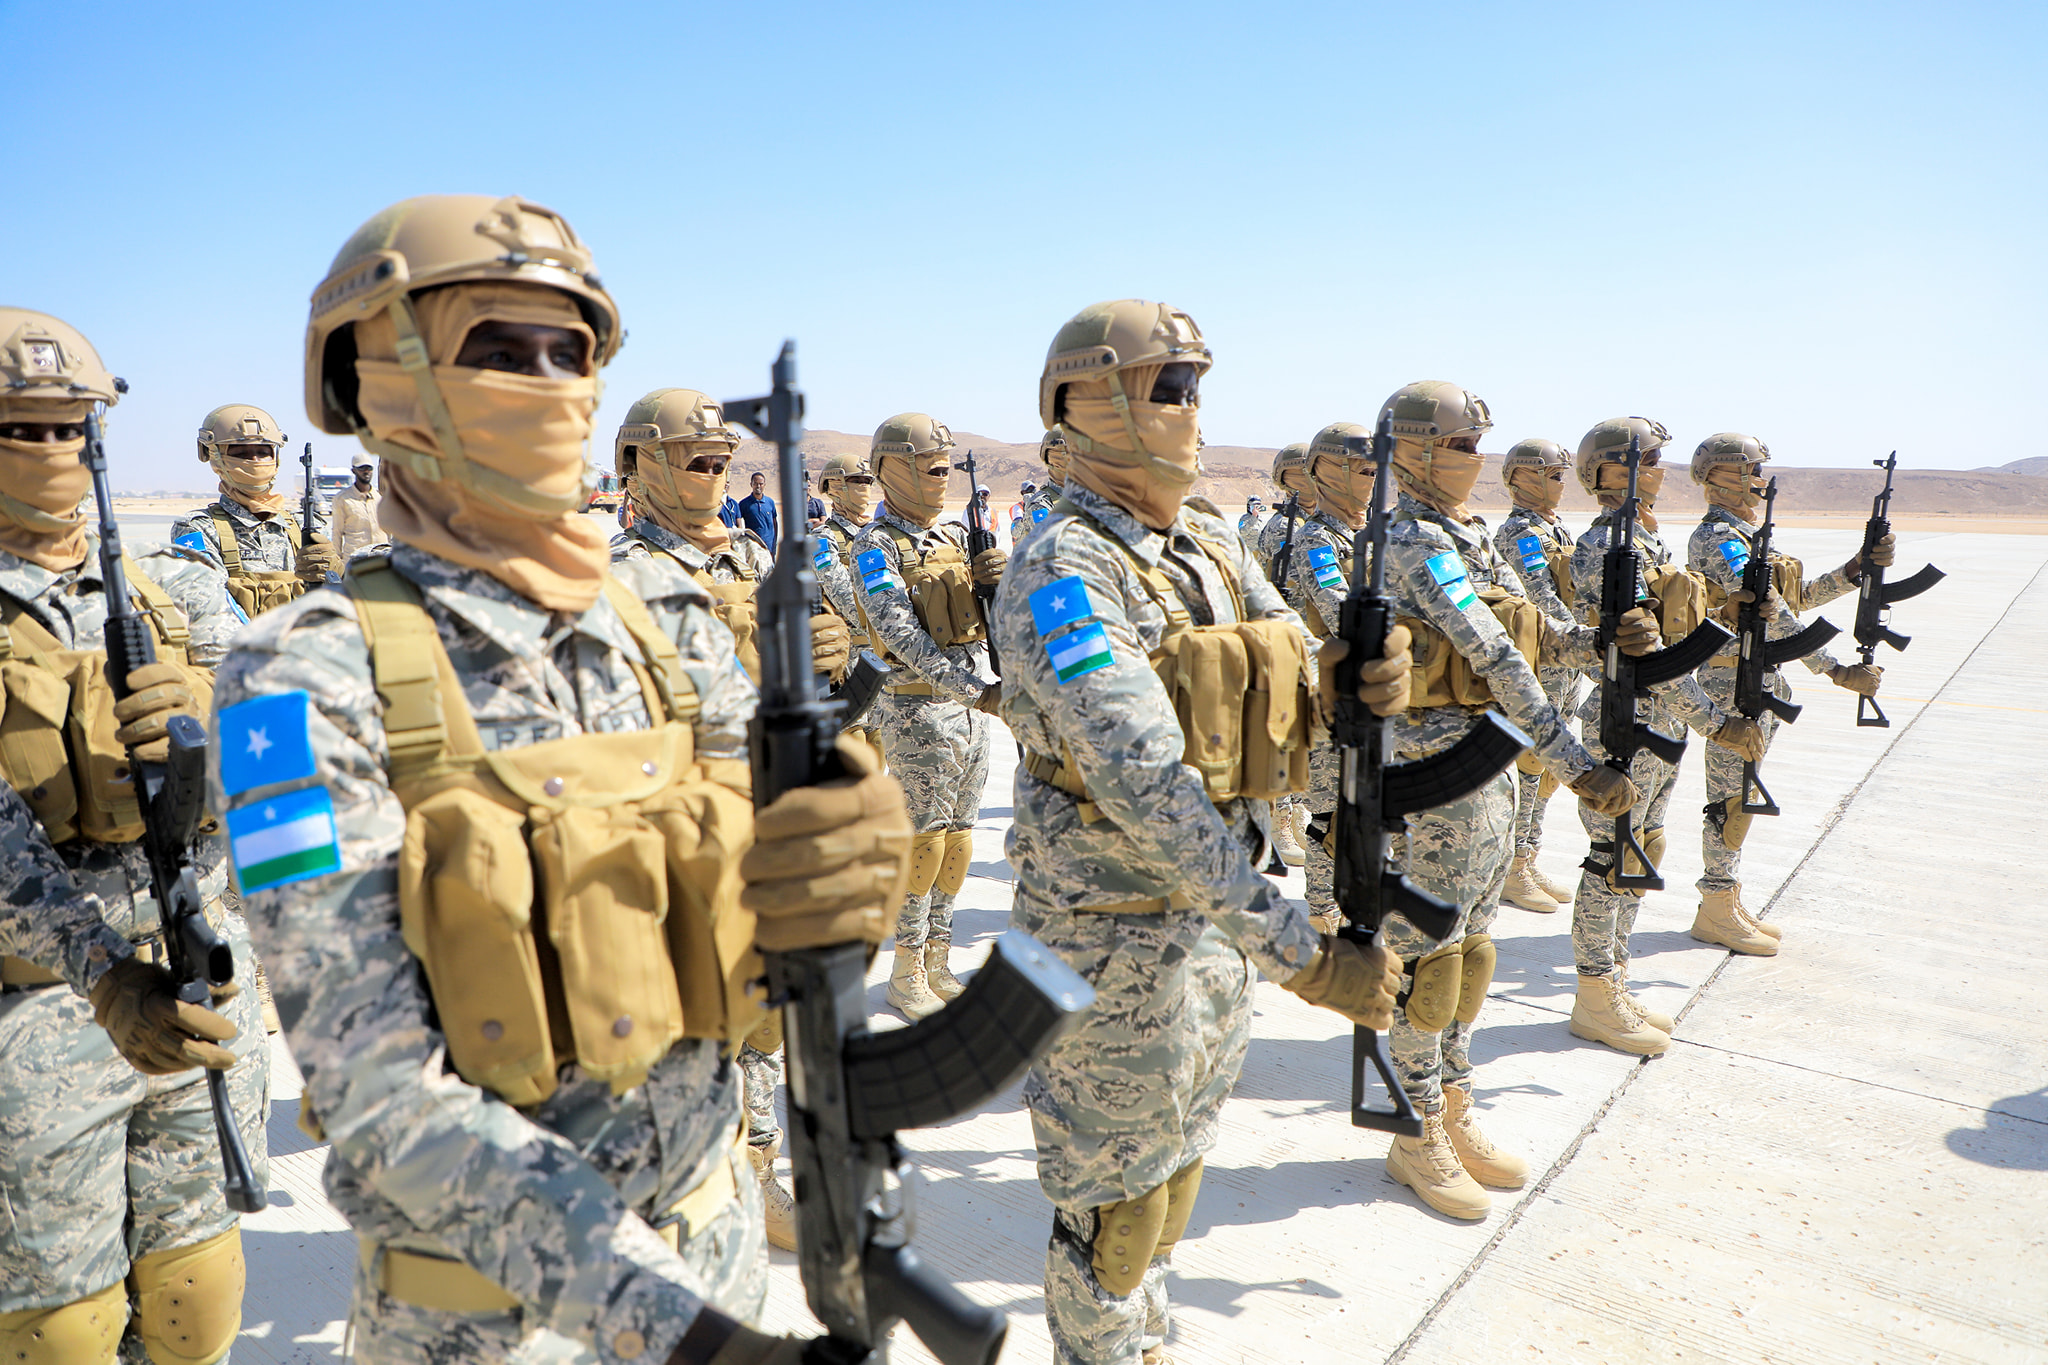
x=1433, y=999
x=927, y=851
x=767, y=1035
x=959, y=856
x=188, y=1301
x=1734, y=822
x=1475, y=973
x=1181, y=1190
x=87, y=1332
x=1126, y=1236
x=1653, y=844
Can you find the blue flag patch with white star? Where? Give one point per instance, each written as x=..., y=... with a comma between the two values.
x=1449, y=572
x=192, y=540
x=1531, y=548
x=263, y=741
x=285, y=839
x=875, y=571
x=1058, y=603
x=1039, y=514
x=1736, y=553
x=1322, y=562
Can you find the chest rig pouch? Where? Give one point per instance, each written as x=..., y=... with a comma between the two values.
x=573, y=900
x=1559, y=558
x=1441, y=676
x=1788, y=576
x=1683, y=599
x=256, y=590
x=733, y=603
x=941, y=589
x=57, y=745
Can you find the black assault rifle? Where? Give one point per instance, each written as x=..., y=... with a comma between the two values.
x=306, y=505
x=1875, y=599
x=851, y=1091
x=1625, y=679
x=980, y=538
x=1373, y=796
x=1757, y=654
x=172, y=796
x=1284, y=559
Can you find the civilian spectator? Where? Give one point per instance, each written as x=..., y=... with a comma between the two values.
x=757, y=513
x=814, y=506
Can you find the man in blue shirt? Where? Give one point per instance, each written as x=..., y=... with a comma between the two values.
x=757, y=512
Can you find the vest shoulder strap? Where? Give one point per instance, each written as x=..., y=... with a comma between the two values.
x=173, y=630
x=411, y=670
x=230, y=548
x=672, y=686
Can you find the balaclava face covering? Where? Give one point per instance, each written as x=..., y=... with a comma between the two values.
x=915, y=484
x=1732, y=486
x=250, y=482
x=1613, y=485
x=41, y=485
x=854, y=501
x=1437, y=476
x=1144, y=458
x=1343, y=487
x=1535, y=491
x=683, y=502
x=521, y=431
x=1303, y=489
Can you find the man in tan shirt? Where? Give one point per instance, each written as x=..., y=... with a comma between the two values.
x=355, y=514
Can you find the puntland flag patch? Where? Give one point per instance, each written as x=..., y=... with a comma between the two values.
x=285, y=839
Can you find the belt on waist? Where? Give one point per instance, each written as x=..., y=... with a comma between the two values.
x=446, y=1285
x=909, y=689
x=19, y=971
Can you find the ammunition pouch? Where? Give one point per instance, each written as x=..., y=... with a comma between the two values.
x=573, y=900
x=1436, y=987
x=940, y=585
x=1788, y=576
x=1441, y=676
x=1683, y=599
x=1559, y=557
x=256, y=590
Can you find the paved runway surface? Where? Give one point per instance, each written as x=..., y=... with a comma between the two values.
x=1844, y=1157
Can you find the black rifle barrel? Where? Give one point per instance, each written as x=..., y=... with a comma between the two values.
x=979, y=538
x=1874, y=596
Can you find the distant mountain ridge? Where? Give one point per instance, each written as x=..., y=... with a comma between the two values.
x=2034, y=465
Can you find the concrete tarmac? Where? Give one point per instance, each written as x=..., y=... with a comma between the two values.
x=1844, y=1157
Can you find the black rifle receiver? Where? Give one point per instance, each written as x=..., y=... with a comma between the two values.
x=1757, y=654
x=307, y=504
x=980, y=538
x=172, y=796
x=1624, y=679
x=1875, y=596
x=851, y=1091
x=1373, y=796
x=1283, y=559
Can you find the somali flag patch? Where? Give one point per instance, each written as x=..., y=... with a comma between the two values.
x=1039, y=514
x=1531, y=548
x=192, y=540
x=264, y=741
x=286, y=839
x=1080, y=651
x=1449, y=572
x=1736, y=553
x=875, y=571
x=1322, y=562
x=1060, y=603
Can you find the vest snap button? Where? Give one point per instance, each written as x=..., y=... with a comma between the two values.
x=493, y=1030
x=622, y=1026
x=553, y=786
x=649, y=768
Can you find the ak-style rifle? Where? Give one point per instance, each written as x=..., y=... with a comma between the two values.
x=1757, y=654
x=979, y=538
x=1875, y=596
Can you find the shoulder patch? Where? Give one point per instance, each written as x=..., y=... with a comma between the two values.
x=1060, y=603
x=1736, y=553
x=821, y=555
x=1448, y=569
x=1531, y=549
x=192, y=540
x=876, y=573
x=1079, y=651
x=1322, y=563
x=286, y=839
x=1039, y=514
x=264, y=741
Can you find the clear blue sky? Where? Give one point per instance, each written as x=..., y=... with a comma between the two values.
x=1821, y=224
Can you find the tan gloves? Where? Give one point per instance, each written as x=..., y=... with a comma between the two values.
x=1358, y=983
x=139, y=1008
x=988, y=566
x=317, y=559
x=1881, y=556
x=1742, y=735
x=829, y=863
x=831, y=645
x=159, y=691
x=991, y=700
x=1383, y=683
x=1607, y=790
x=1862, y=679
x=1730, y=611
x=1636, y=634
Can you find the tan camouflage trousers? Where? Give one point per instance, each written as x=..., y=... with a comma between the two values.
x=1561, y=685
x=939, y=751
x=1603, y=918
x=1318, y=867
x=1721, y=865
x=1128, y=1098
x=101, y=1165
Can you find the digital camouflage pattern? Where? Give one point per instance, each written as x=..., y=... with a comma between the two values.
x=648, y=539
x=1037, y=508
x=1560, y=684
x=1272, y=536
x=936, y=746
x=1319, y=540
x=833, y=566
x=551, y=1202
x=263, y=542
x=1131, y=1095
x=1709, y=554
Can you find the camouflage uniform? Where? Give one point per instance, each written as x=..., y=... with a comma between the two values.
x=100, y=1165
x=1460, y=852
x=1717, y=552
x=937, y=746
x=552, y=1202
x=1132, y=1095
x=1603, y=918
x=834, y=555
x=1248, y=528
x=1560, y=684
x=1319, y=573
x=1037, y=508
x=1272, y=535
x=263, y=542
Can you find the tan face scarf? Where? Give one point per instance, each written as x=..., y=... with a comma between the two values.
x=1735, y=488
x=854, y=501
x=250, y=482
x=1437, y=476
x=531, y=431
x=1613, y=487
x=1535, y=491
x=1298, y=483
x=1344, y=486
x=41, y=483
x=1056, y=461
x=916, y=485
x=1148, y=480
x=682, y=502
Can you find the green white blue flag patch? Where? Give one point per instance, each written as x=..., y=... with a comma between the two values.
x=876, y=573
x=1080, y=651
x=1531, y=548
x=263, y=741
x=285, y=839
x=1449, y=572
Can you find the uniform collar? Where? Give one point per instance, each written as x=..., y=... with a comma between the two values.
x=846, y=523
x=518, y=625
x=242, y=516
x=1716, y=512
x=1331, y=522
x=890, y=516
x=1409, y=507
x=661, y=538
x=1142, y=541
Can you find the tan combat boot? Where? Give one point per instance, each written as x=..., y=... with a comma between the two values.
x=1604, y=1013
x=908, y=990
x=1656, y=1019
x=1771, y=929
x=1429, y=1166
x=1286, y=842
x=1483, y=1161
x=1722, y=921
x=775, y=1200
x=1523, y=891
x=1557, y=891
x=938, y=969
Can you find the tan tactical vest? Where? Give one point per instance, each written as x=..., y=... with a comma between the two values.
x=256, y=590
x=1683, y=599
x=940, y=584
x=574, y=900
x=1442, y=676
x=734, y=605
x=1559, y=557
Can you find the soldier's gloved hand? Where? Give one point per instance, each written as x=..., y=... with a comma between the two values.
x=991, y=700
x=1731, y=610
x=1880, y=556
x=317, y=559
x=829, y=863
x=715, y=1339
x=988, y=566
x=1862, y=679
x=1383, y=683
x=1636, y=633
x=1358, y=983
x=1607, y=790
x=1742, y=735
x=831, y=645
x=137, y=1004
x=160, y=691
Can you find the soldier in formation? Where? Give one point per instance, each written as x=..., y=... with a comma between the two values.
x=915, y=587
x=118, y=1240
x=1274, y=555
x=250, y=530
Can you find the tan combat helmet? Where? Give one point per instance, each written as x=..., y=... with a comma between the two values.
x=909, y=434
x=1287, y=460
x=47, y=360
x=238, y=424
x=1105, y=339
x=1534, y=453
x=665, y=418
x=840, y=466
x=1431, y=411
x=1726, y=448
x=423, y=243
x=1052, y=452
x=1607, y=443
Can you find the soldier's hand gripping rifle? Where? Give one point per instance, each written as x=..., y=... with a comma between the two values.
x=851, y=1091
x=172, y=795
x=1373, y=796
x=307, y=504
x=1875, y=596
x=980, y=538
x=1757, y=654
x=1625, y=679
